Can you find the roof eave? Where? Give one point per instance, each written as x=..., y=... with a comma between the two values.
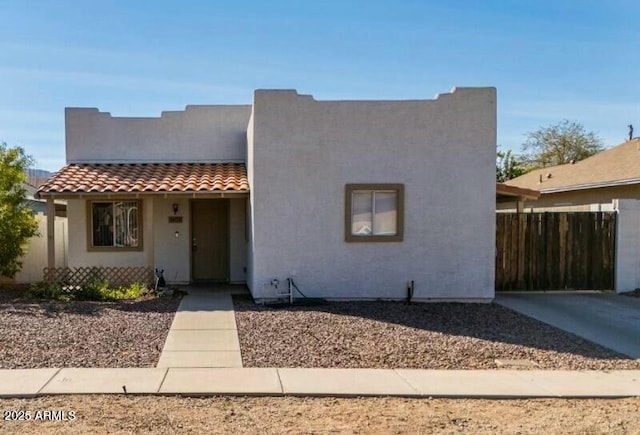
x=189, y=194
x=517, y=192
x=586, y=186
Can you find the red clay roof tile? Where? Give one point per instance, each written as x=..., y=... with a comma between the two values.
x=148, y=177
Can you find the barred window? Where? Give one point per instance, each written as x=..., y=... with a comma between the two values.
x=115, y=224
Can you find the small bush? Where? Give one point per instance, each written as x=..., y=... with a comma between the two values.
x=133, y=291
x=94, y=290
x=48, y=291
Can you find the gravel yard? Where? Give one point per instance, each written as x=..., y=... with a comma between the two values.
x=168, y=415
x=35, y=334
x=396, y=335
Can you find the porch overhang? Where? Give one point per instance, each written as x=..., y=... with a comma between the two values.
x=139, y=195
x=505, y=192
x=122, y=180
x=516, y=195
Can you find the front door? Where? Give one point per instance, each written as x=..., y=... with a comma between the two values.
x=209, y=240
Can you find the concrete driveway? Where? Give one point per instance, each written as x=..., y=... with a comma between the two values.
x=610, y=320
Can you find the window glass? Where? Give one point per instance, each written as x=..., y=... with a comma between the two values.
x=115, y=224
x=102, y=223
x=374, y=212
x=386, y=212
x=361, y=206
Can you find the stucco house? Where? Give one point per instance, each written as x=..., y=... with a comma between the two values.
x=351, y=199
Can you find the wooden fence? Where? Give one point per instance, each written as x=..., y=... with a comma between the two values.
x=555, y=251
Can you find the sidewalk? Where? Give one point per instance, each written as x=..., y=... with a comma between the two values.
x=203, y=332
x=322, y=382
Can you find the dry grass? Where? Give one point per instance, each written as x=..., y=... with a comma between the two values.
x=167, y=415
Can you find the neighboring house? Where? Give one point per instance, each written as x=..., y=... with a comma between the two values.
x=39, y=206
x=351, y=199
x=586, y=184
x=607, y=181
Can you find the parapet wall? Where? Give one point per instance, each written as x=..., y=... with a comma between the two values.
x=197, y=134
x=304, y=154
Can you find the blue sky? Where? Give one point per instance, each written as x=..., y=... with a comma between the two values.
x=550, y=60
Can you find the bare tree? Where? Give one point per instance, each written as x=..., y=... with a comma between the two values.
x=558, y=144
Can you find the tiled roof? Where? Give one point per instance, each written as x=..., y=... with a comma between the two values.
x=147, y=177
x=615, y=166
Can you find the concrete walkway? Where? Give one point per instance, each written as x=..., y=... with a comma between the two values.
x=203, y=332
x=608, y=319
x=322, y=382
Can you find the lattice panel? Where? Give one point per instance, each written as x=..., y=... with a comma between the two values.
x=115, y=276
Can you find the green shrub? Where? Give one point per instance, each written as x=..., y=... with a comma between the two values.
x=91, y=291
x=94, y=290
x=133, y=291
x=45, y=290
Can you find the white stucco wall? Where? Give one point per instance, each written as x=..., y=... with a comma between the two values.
x=79, y=256
x=248, y=208
x=303, y=153
x=627, y=275
x=199, y=133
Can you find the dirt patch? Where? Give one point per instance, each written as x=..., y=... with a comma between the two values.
x=396, y=335
x=36, y=334
x=164, y=415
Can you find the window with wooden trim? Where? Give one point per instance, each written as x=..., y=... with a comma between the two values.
x=115, y=225
x=374, y=212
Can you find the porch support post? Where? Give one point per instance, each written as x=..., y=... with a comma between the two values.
x=51, y=228
x=520, y=205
